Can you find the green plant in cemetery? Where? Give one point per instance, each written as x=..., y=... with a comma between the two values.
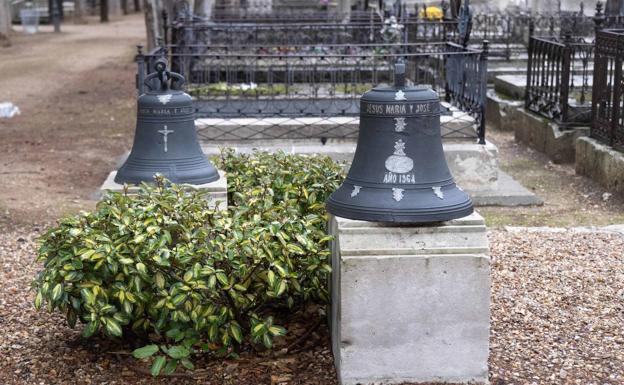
x=166, y=268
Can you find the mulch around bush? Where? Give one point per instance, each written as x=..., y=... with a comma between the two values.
x=557, y=318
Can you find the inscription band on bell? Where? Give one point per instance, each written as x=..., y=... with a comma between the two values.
x=398, y=109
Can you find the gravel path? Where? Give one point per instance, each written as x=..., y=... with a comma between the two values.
x=557, y=318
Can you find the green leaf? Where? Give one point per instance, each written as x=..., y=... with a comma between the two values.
x=57, y=292
x=38, y=300
x=235, y=331
x=240, y=287
x=222, y=278
x=178, y=299
x=170, y=367
x=90, y=329
x=113, y=327
x=271, y=277
x=187, y=363
x=259, y=328
x=160, y=280
x=176, y=334
x=139, y=238
x=157, y=366
x=141, y=268
x=295, y=249
x=267, y=340
x=145, y=351
x=277, y=330
x=178, y=352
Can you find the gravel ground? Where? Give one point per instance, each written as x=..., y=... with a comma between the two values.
x=557, y=318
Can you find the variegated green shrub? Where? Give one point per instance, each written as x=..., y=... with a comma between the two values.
x=185, y=278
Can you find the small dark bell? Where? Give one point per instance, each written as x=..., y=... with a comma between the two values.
x=165, y=140
x=399, y=173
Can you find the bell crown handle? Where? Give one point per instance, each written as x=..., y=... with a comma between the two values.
x=167, y=79
x=399, y=74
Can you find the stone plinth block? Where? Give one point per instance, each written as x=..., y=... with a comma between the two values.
x=410, y=303
x=217, y=190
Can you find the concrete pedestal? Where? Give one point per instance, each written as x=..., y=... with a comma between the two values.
x=410, y=303
x=217, y=190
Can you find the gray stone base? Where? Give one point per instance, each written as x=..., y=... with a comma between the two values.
x=601, y=163
x=499, y=111
x=508, y=192
x=545, y=136
x=474, y=166
x=511, y=85
x=217, y=190
x=410, y=303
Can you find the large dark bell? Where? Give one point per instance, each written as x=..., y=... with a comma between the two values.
x=399, y=173
x=165, y=141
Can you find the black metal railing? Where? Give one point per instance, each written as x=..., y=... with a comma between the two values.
x=607, y=97
x=509, y=32
x=558, y=79
x=255, y=92
x=199, y=32
x=290, y=16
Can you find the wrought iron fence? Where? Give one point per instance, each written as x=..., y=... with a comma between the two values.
x=243, y=15
x=558, y=79
x=199, y=32
x=260, y=92
x=607, y=98
x=509, y=32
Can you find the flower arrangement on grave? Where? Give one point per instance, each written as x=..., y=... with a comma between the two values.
x=391, y=32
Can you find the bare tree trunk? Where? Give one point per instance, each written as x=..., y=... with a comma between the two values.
x=137, y=5
x=104, y=11
x=203, y=8
x=5, y=23
x=79, y=11
x=150, y=23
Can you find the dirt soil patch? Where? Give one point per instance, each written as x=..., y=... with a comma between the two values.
x=569, y=199
x=77, y=100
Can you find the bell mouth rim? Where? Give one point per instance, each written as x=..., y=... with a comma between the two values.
x=399, y=215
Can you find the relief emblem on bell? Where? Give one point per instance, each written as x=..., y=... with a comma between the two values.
x=399, y=163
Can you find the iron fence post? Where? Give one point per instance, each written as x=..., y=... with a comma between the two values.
x=529, y=65
x=597, y=83
x=599, y=17
x=617, y=90
x=140, y=76
x=483, y=97
x=165, y=26
x=568, y=52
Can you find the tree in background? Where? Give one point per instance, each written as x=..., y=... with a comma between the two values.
x=79, y=11
x=104, y=11
x=5, y=23
x=153, y=15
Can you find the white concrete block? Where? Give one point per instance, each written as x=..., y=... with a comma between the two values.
x=410, y=303
x=217, y=190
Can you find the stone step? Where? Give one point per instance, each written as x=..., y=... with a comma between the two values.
x=513, y=86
